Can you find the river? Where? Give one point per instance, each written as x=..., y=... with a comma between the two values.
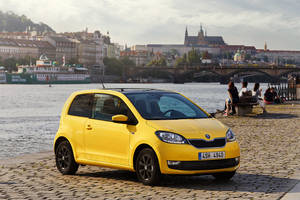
x=29, y=114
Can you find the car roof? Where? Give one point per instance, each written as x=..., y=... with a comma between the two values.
x=136, y=90
x=125, y=91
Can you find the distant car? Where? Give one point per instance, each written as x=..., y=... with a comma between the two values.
x=151, y=132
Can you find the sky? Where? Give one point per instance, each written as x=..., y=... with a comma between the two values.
x=131, y=22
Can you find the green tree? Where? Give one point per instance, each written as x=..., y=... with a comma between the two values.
x=113, y=66
x=127, y=62
x=158, y=62
x=11, y=22
x=193, y=57
x=266, y=59
x=205, y=55
x=247, y=57
x=180, y=61
x=10, y=64
x=73, y=61
x=162, y=62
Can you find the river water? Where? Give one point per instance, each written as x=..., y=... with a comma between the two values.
x=29, y=114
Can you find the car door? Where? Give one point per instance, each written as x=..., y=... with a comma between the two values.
x=107, y=141
x=78, y=114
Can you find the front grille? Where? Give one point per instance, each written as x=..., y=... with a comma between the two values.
x=217, y=142
x=206, y=164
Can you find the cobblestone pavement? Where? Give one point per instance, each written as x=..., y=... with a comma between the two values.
x=270, y=157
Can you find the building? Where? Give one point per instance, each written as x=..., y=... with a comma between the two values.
x=202, y=39
x=65, y=48
x=201, y=43
x=113, y=50
x=139, y=57
x=180, y=49
x=86, y=52
x=25, y=48
x=278, y=57
x=100, y=41
x=251, y=50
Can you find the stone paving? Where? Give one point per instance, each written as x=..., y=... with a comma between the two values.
x=270, y=158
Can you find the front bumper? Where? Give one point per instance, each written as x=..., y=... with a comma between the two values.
x=185, y=159
x=205, y=164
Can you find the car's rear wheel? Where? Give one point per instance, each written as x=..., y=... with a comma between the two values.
x=64, y=158
x=147, y=167
x=224, y=176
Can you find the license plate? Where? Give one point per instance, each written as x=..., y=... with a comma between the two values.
x=211, y=155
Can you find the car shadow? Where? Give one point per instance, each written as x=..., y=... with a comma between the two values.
x=275, y=116
x=242, y=182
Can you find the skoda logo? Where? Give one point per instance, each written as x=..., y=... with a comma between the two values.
x=207, y=136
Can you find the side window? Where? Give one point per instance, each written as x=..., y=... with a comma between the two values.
x=106, y=106
x=81, y=105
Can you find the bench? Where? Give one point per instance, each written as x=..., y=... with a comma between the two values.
x=245, y=105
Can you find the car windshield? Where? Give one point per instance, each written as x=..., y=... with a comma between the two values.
x=165, y=106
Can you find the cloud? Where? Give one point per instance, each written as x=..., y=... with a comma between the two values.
x=163, y=21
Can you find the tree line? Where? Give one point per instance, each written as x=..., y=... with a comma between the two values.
x=11, y=64
x=11, y=22
x=193, y=57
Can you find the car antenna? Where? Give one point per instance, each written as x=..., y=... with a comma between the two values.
x=103, y=87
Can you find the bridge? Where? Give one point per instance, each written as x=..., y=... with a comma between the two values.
x=225, y=72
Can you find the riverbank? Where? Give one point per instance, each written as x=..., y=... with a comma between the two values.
x=270, y=160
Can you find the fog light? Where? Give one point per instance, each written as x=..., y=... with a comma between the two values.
x=173, y=162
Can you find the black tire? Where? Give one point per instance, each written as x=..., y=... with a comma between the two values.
x=224, y=176
x=64, y=158
x=147, y=167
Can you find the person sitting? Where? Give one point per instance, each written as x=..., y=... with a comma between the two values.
x=232, y=100
x=271, y=96
x=244, y=91
x=245, y=95
x=268, y=96
x=276, y=98
x=256, y=93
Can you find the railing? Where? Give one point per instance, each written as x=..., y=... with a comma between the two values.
x=286, y=91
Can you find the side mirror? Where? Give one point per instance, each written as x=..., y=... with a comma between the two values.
x=119, y=118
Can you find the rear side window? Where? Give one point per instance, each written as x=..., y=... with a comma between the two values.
x=81, y=105
x=106, y=106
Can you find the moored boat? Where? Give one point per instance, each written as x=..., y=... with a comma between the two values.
x=46, y=72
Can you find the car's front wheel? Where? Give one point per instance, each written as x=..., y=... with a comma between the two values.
x=64, y=158
x=224, y=176
x=147, y=167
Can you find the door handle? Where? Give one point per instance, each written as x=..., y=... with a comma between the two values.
x=89, y=127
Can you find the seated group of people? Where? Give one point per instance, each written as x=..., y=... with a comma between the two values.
x=271, y=96
x=256, y=95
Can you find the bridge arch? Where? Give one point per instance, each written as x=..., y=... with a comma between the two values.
x=193, y=74
x=251, y=70
x=289, y=72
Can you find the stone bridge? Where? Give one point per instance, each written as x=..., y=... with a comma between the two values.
x=226, y=72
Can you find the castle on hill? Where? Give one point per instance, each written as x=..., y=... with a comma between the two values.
x=202, y=39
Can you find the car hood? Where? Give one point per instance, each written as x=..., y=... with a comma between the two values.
x=191, y=128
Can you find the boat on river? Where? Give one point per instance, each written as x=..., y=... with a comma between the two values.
x=46, y=72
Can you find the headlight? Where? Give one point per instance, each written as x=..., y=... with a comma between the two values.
x=230, y=136
x=172, y=138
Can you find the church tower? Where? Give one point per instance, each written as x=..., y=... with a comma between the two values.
x=201, y=36
x=186, y=36
x=265, y=47
x=201, y=32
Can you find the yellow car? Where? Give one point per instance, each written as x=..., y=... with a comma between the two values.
x=149, y=131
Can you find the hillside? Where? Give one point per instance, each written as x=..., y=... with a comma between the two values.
x=10, y=22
